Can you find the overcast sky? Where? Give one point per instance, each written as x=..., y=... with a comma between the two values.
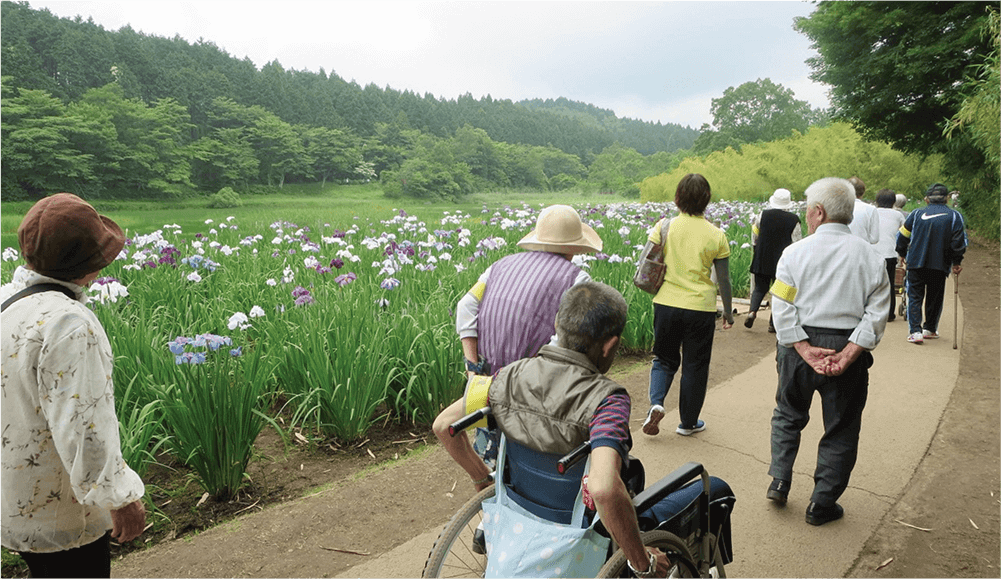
x=655, y=61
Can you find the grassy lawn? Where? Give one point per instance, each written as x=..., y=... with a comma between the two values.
x=311, y=204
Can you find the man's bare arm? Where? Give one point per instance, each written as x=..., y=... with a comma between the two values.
x=616, y=510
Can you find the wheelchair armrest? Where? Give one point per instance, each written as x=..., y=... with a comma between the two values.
x=667, y=485
x=468, y=420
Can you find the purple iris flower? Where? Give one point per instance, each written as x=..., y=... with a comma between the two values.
x=345, y=278
x=304, y=300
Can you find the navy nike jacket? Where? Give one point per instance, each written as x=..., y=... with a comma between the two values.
x=933, y=237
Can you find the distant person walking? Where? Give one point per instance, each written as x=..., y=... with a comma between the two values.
x=685, y=307
x=830, y=310
x=66, y=489
x=773, y=230
x=890, y=221
x=899, y=204
x=932, y=242
x=865, y=220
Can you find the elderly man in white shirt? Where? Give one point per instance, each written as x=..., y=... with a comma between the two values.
x=865, y=219
x=65, y=484
x=832, y=297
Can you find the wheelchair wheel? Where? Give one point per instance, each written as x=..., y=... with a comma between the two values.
x=452, y=554
x=667, y=542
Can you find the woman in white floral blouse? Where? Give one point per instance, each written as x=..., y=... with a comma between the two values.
x=65, y=484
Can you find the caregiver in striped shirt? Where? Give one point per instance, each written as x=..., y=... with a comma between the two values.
x=510, y=313
x=511, y=310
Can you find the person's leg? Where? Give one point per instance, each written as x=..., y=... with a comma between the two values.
x=792, y=409
x=934, y=298
x=696, y=353
x=843, y=399
x=90, y=560
x=666, y=351
x=891, y=270
x=915, y=296
x=761, y=285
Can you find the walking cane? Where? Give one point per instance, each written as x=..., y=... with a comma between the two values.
x=955, y=315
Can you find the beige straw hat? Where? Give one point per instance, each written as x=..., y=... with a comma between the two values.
x=560, y=230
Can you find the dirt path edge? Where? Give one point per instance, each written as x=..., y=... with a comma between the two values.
x=955, y=490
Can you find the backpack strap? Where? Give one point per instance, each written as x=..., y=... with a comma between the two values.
x=38, y=288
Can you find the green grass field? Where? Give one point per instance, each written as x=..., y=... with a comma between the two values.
x=337, y=205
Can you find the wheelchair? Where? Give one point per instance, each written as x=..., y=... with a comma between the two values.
x=690, y=527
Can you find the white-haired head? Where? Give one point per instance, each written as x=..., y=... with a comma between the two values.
x=835, y=195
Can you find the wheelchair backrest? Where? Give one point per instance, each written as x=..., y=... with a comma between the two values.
x=534, y=483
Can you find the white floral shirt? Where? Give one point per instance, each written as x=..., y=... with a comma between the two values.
x=61, y=458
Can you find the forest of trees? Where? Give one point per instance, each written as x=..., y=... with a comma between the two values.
x=121, y=113
x=923, y=77
x=914, y=92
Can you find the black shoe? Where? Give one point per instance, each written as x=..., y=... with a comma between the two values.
x=749, y=321
x=778, y=491
x=771, y=326
x=479, y=542
x=818, y=515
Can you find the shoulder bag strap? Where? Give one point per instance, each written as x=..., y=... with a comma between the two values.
x=664, y=229
x=38, y=288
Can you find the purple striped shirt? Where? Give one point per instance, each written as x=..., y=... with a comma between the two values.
x=518, y=313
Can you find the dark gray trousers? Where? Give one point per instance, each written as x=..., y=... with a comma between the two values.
x=842, y=400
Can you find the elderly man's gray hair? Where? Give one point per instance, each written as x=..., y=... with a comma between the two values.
x=590, y=313
x=836, y=195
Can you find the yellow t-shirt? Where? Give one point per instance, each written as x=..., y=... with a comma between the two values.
x=692, y=245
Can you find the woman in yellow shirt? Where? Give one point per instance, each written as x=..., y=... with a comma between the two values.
x=685, y=306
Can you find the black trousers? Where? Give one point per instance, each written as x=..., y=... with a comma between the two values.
x=762, y=283
x=891, y=270
x=90, y=560
x=928, y=286
x=682, y=339
x=842, y=400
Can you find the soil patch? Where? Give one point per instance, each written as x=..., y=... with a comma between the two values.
x=955, y=492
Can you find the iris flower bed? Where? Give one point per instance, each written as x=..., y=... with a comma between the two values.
x=341, y=324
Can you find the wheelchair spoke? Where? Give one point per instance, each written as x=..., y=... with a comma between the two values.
x=453, y=555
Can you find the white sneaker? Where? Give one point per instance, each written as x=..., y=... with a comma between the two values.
x=653, y=418
x=916, y=338
x=929, y=335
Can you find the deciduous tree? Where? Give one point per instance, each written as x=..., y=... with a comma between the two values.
x=896, y=69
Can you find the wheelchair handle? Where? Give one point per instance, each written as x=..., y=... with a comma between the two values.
x=468, y=420
x=573, y=457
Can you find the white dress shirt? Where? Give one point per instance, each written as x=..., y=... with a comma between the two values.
x=865, y=222
x=831, y=279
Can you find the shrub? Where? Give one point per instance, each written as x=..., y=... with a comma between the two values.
x=226, y=198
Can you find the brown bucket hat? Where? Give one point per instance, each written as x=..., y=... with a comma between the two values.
x=560, y=230
x=62, y=236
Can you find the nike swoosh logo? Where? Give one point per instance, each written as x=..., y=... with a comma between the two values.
x=926, y=217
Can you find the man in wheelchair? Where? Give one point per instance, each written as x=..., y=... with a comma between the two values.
x=547, y=406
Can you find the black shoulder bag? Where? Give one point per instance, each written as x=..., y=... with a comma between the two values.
x=38, y=288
